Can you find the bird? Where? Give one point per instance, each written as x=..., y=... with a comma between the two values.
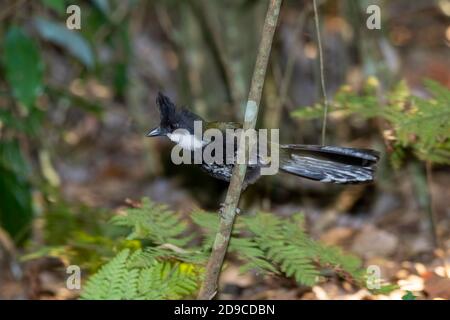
x=328, y=164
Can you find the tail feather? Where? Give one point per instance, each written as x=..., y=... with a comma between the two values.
x=329, y=164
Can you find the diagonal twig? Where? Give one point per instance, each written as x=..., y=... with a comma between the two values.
x=322, y=75
x=214, y=266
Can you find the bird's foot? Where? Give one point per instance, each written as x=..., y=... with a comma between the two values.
x=222, y=210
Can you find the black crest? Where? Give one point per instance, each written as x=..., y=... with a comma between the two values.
x=173, y=118
x=167, y=108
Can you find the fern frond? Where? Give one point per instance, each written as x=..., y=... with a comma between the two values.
x=163, y=270
x=251, y=254
x=417, y=124
x=154, y=222
x=292, y=254
x=168, y=281
x=158, y=280
x=146, y=257
x=109, y=281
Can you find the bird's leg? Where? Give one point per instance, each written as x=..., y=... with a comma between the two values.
x=245, y=184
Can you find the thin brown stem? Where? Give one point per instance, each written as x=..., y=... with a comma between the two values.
x=322, y=74
x=289, y=70
x=214, y=40
x=431, y=207
x=440, y=250
x=214, y=266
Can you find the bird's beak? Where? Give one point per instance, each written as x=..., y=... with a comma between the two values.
x=155, y=132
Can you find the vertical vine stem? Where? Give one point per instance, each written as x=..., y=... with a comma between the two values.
x=215, y=262
x=322, y=75
x=439, y=245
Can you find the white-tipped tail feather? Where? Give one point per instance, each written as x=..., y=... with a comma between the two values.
x=329, y=164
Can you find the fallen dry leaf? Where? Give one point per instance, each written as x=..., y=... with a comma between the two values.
x=437, y=287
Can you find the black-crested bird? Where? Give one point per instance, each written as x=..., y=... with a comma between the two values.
x=320, y=163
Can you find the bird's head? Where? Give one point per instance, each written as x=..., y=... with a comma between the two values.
x=175, y=123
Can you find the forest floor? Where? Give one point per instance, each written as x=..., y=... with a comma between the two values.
x=392, y=234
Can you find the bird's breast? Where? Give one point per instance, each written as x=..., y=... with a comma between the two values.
x=186, y=141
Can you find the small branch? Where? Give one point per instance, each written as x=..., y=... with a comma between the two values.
x=431, y=210
x=289, y=70
x=214, y=41
x=322, y=75
x=214, y=266
x=440, y=250
x=274, y=108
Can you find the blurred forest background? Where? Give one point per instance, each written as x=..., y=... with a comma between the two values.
x=75, y=106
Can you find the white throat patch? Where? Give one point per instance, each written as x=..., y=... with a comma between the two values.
x=186, y=140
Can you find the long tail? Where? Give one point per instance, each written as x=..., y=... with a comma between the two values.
x=329, y=164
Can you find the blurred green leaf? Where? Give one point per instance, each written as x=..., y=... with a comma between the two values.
x=409, y=296
x=71, y=40
x=11, y=158
x=29, y=124
x=8, y=120
x=120, y=78
x=415, y=123
x=15, y=193
x=57, y=5
x=385, y=289
x=23, y=66
x=103, y=6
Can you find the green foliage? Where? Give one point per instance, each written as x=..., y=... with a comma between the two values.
x=83, y=238
x=289, y=248
x=72, y=41
x=29, y=123
x=114, y=280
x=416, y=124
x=170, y=264
x=15, y=191
x=161, y=226
x=23, y=66
x=292, y=252
x=121, y=278
x=103, y=6
x=24, y=70
x=22, y=115
x=385, y=288
x=241, y=244
x=409, y=296
x=57, y=5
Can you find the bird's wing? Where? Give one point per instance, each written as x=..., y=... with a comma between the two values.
x=222, y=126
